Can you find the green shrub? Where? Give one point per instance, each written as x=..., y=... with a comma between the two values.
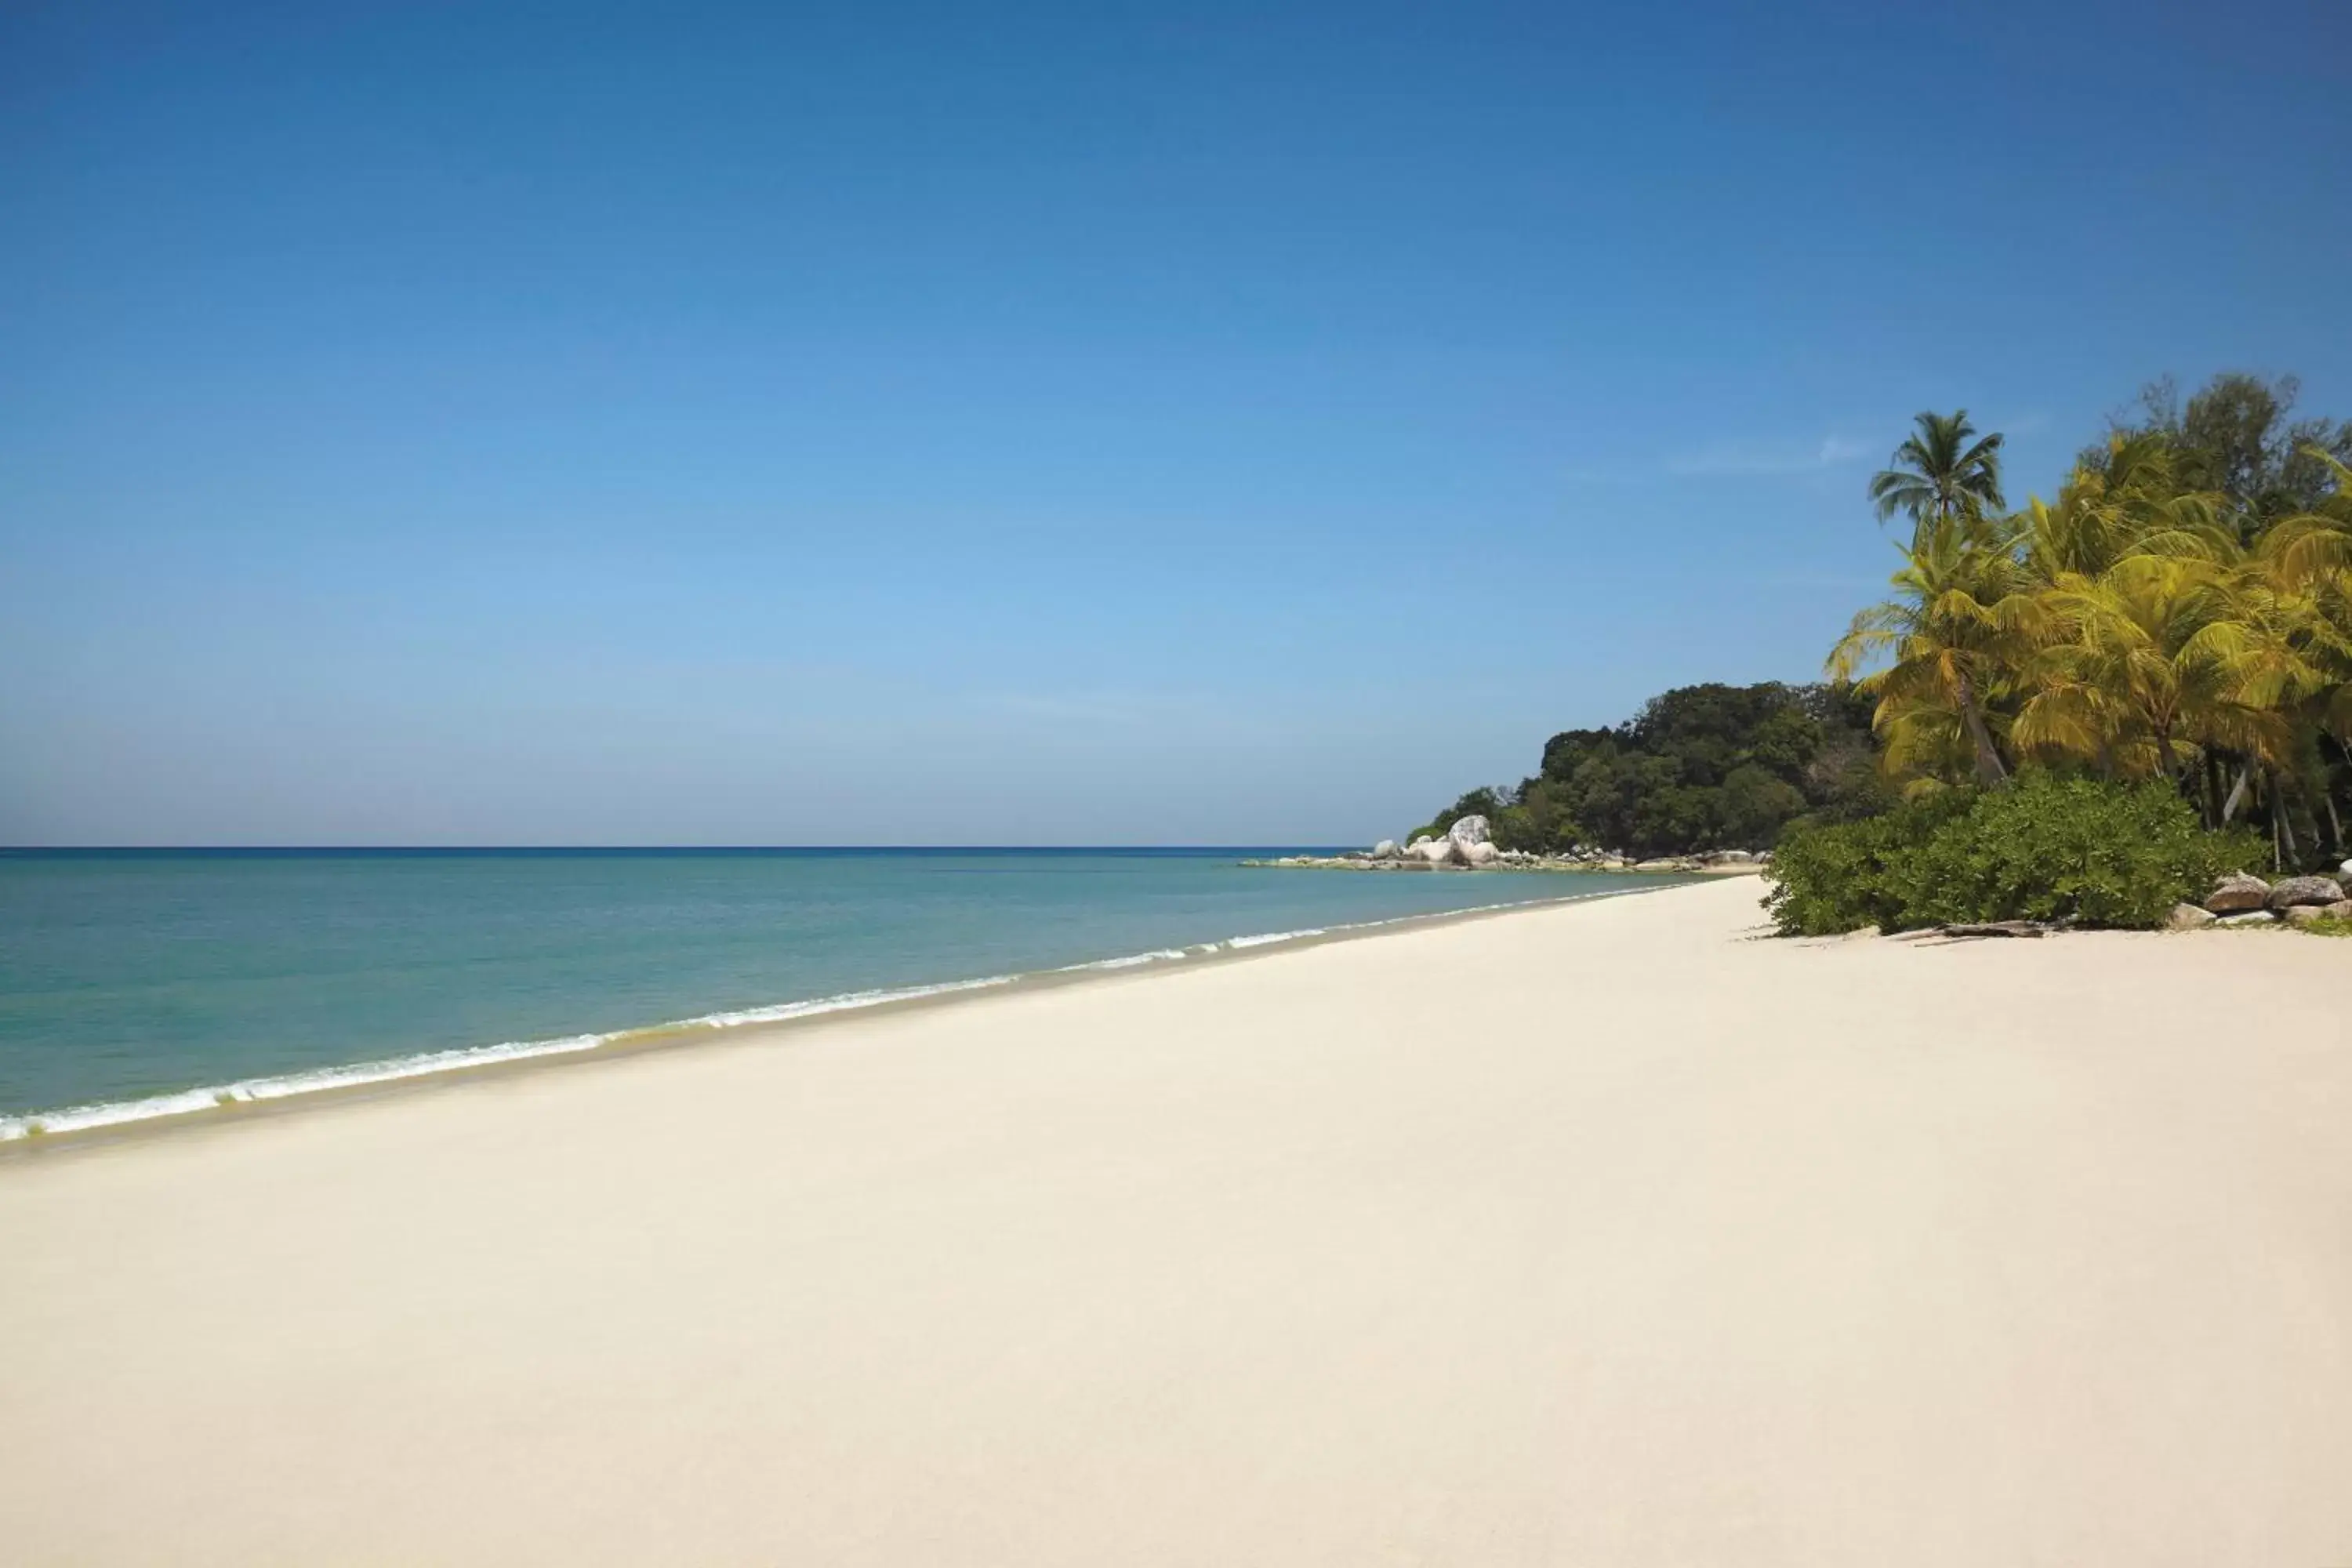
x=1840, y=877
x=2041, y=847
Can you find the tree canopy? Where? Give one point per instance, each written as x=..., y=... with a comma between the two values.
x=1700, y=767
x=1944, y=472
x=2181, y=611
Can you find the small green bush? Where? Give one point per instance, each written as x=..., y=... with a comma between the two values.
x=2041, y=847
x=1840, y=877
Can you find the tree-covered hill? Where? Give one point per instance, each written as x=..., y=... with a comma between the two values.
x=1701, y=768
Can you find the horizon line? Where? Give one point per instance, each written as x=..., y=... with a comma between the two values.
x=615, y=848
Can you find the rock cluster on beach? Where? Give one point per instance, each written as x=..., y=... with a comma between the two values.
x=2243, y=899
x=1469, y=845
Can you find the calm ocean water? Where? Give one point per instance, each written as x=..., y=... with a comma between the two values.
x=128, y=975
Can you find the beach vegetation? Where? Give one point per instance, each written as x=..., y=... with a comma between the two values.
x=2047, y=846
x=2178, y=616
x=1700, y=767
x=2180, y=613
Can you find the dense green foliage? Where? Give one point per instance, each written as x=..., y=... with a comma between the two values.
x=2181, y=612
x=1701, y=768
x=2233, y=438
x=2043, y=848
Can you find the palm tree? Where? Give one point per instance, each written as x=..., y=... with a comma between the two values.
x=2307, y=560
x=2296, y=587
x=2132, y=504
x=2140, y=625
x=1958, y=625
x=1941, y=473
x=2160, y=645
x=2152, y=661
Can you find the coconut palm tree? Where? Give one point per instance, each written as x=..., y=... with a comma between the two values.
x=2307, y=560
x=2160, y=643
x=2153, y=660
x=1942, y=472
x=2297, y=585
x=2133, y=504
x=2139, y=625
x=1958, y=625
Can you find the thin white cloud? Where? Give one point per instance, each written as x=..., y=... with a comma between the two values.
x=1757, y=459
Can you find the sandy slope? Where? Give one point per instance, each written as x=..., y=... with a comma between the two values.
x=1591, y=1236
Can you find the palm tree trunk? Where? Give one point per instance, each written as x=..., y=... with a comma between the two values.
x=1990, y=769
x=2237, y=794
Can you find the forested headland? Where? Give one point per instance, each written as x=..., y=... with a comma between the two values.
x=1699, y=768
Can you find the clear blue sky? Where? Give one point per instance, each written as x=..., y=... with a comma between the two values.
x=1042, y=423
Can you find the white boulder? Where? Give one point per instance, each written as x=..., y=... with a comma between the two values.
x=1385, y=849
x=1436, y=851
x=1482, y=853
x=1470, y=830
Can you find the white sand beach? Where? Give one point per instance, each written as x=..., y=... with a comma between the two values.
x=1595, y=1235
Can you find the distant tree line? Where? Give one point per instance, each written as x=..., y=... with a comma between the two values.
x=1700, y=767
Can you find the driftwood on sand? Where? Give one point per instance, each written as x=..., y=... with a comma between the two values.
x=2004, y=928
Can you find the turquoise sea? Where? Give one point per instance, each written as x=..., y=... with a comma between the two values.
x=143, y=982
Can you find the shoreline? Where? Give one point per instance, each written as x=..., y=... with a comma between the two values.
x=1358, y=861
x=214, y=1107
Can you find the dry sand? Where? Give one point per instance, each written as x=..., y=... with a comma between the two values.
x=1591, y=1236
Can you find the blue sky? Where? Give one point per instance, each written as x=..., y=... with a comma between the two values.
x=1047, y=422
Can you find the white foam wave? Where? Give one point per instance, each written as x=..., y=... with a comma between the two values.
x=782, y=1011
x=1131, y=961
x=1263, y=938
x=115, y=1113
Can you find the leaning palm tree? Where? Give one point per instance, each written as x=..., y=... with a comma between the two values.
x=1958, y=626
x=1941, y=473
